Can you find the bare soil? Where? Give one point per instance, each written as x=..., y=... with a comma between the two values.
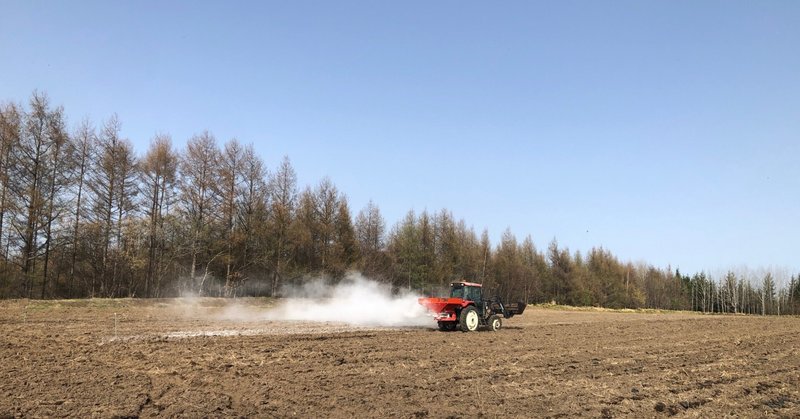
x=181, y=358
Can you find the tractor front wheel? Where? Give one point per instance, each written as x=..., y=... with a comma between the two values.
x=468, y=320
x=495, y=323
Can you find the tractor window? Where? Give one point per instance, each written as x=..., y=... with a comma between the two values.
x=457, y=291
x=472, y=293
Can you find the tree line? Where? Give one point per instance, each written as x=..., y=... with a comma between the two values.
x=83, y=215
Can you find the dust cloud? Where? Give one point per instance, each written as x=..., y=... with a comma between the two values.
x=355, y=300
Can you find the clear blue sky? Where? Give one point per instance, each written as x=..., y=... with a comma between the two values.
x=665, y=131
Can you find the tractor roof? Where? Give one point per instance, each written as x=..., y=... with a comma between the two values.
x=468, y=284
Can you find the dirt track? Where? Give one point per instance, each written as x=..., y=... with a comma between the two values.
x=176, y=359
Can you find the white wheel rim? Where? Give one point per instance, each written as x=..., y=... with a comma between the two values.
x=472, y=320
x=496, y=324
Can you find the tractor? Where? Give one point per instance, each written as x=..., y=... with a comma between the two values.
x=467, y=310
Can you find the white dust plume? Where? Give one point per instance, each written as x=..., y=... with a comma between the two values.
x=355, y=300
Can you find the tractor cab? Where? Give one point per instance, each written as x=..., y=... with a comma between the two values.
x=466, y=291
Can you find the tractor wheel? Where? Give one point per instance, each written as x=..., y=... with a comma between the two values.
x=495, y=323
x=468, y=320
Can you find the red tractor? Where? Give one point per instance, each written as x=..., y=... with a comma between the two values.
x=466, y=309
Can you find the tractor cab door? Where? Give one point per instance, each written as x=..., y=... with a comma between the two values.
x=469, y=293
x=473, y=294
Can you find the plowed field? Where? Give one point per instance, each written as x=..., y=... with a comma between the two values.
x=180, y=358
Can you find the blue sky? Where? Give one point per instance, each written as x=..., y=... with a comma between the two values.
x=665, y=131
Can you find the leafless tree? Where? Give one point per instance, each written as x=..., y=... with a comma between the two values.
x=230, y=177
x=28, y=184
x=159, y=171
x=283, y=201
x=370, y=230
x=113, y=186
x=253, y=214
x=199, y=192
x=83, y=139
x=57, y=181
x=11, y=120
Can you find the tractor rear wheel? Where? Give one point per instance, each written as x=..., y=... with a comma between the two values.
x=495, y=323
x=468, y=320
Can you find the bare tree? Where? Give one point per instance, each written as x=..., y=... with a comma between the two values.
x=324, y=237
x=29, y=186
x=112, y=182
x=159, y=170
x=485, y=255
x=83, y=139
x=507, y=268
x=199, y=195
x=253, y=213
x=370, y=229
x=283, y=201
x=767, y=294
x=530, y=258
x=345, y=246
x=58, y=180
x=230, y=177
x=323, y=227
x=731, y=293
x=405, y=249
x=305, y=233
x=10, y=132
